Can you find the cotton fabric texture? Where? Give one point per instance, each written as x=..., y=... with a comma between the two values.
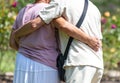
x=79, y=54
x=36, y=58
x=71, y=10
x=41, y=44
x=84, y=74
x=30, y=71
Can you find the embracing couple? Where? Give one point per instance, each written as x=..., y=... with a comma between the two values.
x=33, y=36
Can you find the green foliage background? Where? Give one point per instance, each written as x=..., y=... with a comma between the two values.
x=111, y=37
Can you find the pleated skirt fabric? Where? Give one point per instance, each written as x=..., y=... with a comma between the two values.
x=29, y=71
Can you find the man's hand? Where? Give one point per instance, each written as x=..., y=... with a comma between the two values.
x=29, y=27
x=94, y=43
x=77, y=33
x=37, y=22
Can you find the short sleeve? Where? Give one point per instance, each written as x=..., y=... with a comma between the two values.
x=14, y=25
x=53, y=10
x=18, y=21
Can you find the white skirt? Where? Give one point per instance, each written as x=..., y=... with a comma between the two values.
x=29, y=71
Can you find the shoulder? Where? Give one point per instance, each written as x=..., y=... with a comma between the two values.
x=37, y=8
x=21, y=11
x=40, y=5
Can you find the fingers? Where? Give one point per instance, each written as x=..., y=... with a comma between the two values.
x=94, y=44
x=34, y=23
x=97, y=45
x=37, y=22
x=96, y=48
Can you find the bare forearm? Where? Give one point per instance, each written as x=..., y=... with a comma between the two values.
x=71, y=30
x=29, y=27
x=76, y=33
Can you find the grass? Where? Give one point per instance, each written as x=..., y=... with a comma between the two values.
x=7, y=61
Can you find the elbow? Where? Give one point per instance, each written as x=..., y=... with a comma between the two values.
x=10, y=45
x=13, y=46
x=60, y=23
x=63, y=26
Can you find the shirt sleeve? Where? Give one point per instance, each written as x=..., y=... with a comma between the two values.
x=53, y=10
x=14, y=25
x=18, y=19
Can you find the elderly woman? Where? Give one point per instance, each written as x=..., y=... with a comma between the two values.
x=36, y=57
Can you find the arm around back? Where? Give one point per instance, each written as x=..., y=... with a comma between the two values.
x=76, y=33
x=29, y=27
